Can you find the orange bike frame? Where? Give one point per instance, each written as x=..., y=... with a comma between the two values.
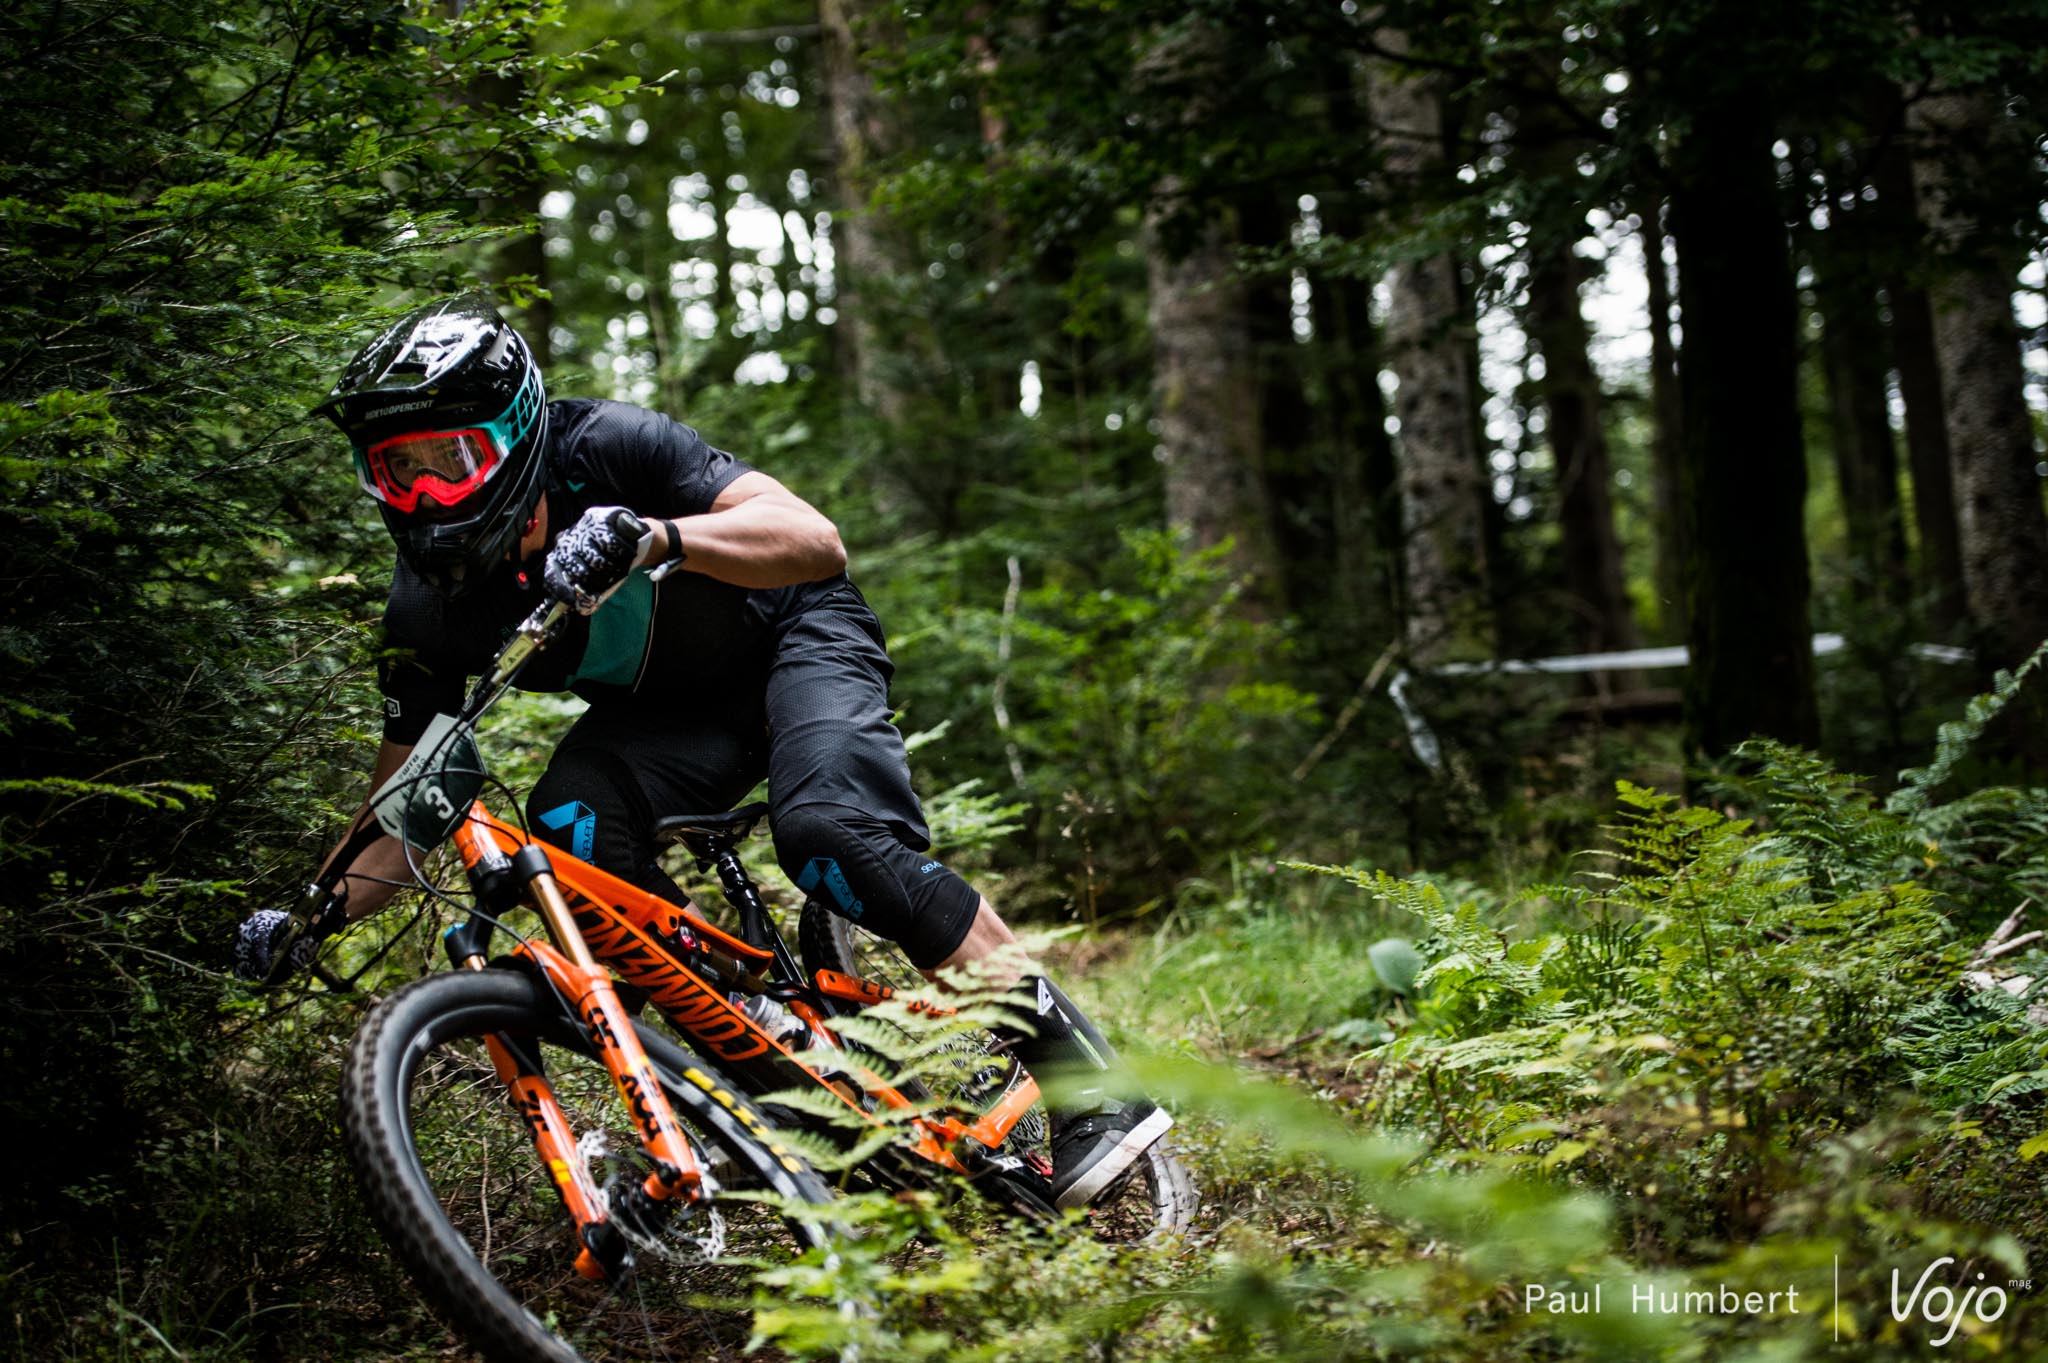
x=629, y=929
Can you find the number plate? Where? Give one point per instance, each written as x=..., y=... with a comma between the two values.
x=428, y=797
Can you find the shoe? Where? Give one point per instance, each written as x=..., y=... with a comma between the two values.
x=270, y=945
x=1091, y=1154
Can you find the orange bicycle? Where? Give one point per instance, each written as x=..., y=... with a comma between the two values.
x=562, y=1180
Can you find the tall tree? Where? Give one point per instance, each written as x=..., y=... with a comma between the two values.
x=1747, y=582
x=1448, y=605
x=1572, y=401
x=866, y=257
x=518, y=266
x=1205, y=384
x=1965, y=141
x=1578, y=442
x=1899, y=239
x=1667, y=429
x=1292, y=459
x=1854, y=361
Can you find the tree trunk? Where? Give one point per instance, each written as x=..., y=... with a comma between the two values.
x=1441, y=485
x=997, y=384
x=1365, y=511
x=1853, y=358
x=865, y=259
x=1934, y=498
x=1205, y=385
x=1556, y=325
x=2003, y=533
x=1667, y=437
x=1745, y=466
x=1206, y=393
x=1571, y=396
x=517, y=267
x=1913, y=351
x=1364, y=479
x=1297, y=476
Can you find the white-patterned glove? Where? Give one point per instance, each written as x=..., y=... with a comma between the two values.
x=592, y=557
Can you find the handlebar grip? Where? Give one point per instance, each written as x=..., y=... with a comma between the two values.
x=627, y=525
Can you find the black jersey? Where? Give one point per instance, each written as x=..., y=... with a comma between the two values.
x=687, y=637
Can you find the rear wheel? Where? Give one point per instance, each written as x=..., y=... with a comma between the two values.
x=452, y=1179
x=1159, y=1198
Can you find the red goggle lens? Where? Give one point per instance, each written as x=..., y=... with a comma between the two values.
x=442, y=466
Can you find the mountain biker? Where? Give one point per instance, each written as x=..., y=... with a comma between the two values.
x=735, y=648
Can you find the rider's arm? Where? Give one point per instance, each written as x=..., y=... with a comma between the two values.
x=757, y=534
x=383, y=859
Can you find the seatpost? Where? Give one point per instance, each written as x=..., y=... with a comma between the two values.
x=739, y=889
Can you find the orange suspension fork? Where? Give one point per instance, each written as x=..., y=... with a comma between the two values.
x=588, y=986
x=610, y=1028
x=555, y=1141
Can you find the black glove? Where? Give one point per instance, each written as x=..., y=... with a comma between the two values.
x=593, y=556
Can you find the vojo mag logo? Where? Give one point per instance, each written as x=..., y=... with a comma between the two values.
x=1939, y=1306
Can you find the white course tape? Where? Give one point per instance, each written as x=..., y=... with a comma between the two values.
x=1423, y=739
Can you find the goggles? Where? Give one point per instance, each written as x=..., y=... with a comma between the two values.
x=441, y=466
x=444, y=467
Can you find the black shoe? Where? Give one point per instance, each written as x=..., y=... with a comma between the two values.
x=1091, y=1154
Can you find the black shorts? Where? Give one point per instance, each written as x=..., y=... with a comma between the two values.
x=848, y=828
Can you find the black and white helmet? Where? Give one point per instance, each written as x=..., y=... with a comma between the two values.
x=448, y=421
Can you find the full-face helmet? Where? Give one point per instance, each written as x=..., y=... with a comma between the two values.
x=448, y=420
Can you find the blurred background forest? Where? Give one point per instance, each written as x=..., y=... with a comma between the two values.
x=1206, y=393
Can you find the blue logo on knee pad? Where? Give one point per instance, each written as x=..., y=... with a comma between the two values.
x=581, y=821
x=827, y=870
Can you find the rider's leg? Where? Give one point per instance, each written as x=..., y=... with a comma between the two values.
x=1102, y=1123
x=848, y=829
x=850, y=832
x=622, y=766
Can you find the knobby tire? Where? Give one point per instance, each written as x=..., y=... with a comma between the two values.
x=417, y=1091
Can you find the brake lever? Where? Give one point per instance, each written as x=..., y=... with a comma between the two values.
x=538, y=630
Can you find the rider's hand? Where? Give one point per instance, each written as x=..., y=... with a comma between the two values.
x=593, y=556
x=270, y=947
x=272, y=944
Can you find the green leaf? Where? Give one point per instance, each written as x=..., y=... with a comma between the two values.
x=1396, y=961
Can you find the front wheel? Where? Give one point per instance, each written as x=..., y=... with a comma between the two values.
x=453, y=1181
x=1158, y=1199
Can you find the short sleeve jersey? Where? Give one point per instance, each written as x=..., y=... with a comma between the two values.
x=685, y=633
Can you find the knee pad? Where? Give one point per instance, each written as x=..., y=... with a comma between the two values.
x=863, y=870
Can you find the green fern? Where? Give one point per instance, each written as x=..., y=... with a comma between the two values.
x=1954, y=739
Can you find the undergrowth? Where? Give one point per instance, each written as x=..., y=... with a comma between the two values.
x=1753, y=1046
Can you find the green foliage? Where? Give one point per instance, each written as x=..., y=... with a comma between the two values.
x=1732, y=1009
x=1350, y=1283
x=1146, y=709
x=203, y=213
